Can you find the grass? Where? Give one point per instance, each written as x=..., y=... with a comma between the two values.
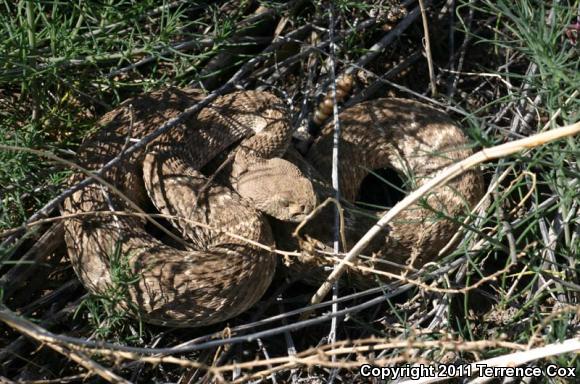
x=47, y=72
x=508, y=69
x=109, y=313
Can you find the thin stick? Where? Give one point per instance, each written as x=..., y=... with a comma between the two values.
x=381, y=45
x=428, y=48
x=35, y=332
x=6, y=315
x=335, y=184
x=38, y=253
x=447, y=174
x=153, y=216
x=102, y=181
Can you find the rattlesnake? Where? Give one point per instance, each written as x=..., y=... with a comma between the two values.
x=219, y=276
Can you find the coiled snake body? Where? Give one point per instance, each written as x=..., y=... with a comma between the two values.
x=219, y=276
x=417, y=142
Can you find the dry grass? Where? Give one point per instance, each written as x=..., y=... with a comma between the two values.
x=506, y=291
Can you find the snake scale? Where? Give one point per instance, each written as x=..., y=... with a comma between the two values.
x=215, y=276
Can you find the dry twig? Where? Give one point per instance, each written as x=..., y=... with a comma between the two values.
x=428, y=48
x=36, y=333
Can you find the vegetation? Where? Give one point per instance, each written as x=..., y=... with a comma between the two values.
x=503, y=69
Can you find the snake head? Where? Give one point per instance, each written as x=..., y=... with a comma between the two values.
x=276, y=187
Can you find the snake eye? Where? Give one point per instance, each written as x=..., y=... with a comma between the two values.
x=284, y=202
